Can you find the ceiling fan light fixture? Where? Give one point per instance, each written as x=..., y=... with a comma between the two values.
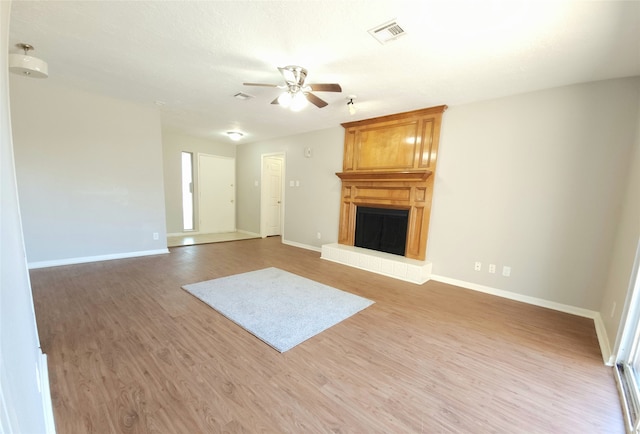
x=235, y=135
x=285, y=99
x=298, y=102
x=297, y=93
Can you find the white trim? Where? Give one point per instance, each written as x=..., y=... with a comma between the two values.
x=387, y=264
x=183, y=234
x=601, y=332
x=603, y=340
x=45, y=391
x=253, y=234
x=518, y=297
x=302, y=246
x=83, y=260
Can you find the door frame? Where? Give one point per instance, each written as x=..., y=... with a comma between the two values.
x=264, y=193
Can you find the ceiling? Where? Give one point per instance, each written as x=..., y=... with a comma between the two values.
x=193, y=56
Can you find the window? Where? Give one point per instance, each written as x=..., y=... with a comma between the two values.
x=187, y=191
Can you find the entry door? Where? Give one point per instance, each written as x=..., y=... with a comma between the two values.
x=217, y=194
x=273, y=175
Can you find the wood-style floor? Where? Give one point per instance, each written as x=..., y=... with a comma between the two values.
x=129, y=351
x=193, y=239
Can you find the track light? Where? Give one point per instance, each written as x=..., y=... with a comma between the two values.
x=350, y=105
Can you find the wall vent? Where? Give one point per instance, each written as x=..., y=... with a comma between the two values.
x=387, y=32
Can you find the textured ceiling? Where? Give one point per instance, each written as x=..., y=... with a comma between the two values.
x=194, y=56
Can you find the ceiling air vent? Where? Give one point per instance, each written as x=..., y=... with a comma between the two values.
x=387, y=32
x=241, y=95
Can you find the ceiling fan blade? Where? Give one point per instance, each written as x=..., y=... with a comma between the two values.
x=325, y=87
x=318, y=102
x=260, y=84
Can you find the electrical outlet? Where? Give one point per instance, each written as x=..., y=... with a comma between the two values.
x=506, y=271
x=478, y=266
x=292, y=183
x=156, y=236
x=492, y=268
x=319, y=235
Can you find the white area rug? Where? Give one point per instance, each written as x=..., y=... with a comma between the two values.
x=278, y=307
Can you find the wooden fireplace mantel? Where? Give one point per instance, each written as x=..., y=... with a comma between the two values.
x=372, y=175
x=388, y=163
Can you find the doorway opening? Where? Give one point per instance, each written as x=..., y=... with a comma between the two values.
x=272, y=195
x=187, y=191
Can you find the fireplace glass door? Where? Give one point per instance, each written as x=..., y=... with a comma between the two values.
x=382, y=229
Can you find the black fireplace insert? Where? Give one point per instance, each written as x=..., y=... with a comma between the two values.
x=382, y=229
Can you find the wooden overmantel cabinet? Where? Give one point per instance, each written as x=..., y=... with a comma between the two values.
x=389, y=162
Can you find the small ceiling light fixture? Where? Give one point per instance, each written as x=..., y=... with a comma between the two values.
x=350, y=105
x=235, y=135
x=26, y=65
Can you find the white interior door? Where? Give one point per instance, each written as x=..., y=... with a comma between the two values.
x=216, y=194
x=272, y=194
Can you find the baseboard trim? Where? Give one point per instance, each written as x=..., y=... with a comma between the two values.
x=253, y=234
x=603, y=340
x=302, y=246
x=45, y=391
x=83, y=260
x=601, y=332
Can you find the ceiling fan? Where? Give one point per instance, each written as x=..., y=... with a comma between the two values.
x=296, y=92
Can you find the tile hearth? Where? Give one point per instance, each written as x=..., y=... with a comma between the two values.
x=398, y=267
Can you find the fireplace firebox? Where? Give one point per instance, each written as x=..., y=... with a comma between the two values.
x=382, y=229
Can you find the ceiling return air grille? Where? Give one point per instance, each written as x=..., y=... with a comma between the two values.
x=387, y=32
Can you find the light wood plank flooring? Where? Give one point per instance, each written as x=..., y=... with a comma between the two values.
x=191, y=240
x=131, y=352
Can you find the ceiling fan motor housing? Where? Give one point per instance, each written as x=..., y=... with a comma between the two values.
x=294, y=75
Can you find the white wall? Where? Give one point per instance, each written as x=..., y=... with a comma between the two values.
x=89, y=171
x=535, y=182
x=619, y=279
x=22, y=404
x=310, y=208
x=173, y=144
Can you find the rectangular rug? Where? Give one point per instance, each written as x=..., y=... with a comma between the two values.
x=280, y=308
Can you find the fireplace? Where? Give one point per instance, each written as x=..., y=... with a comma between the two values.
x=382, y=229
x=388, y=165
